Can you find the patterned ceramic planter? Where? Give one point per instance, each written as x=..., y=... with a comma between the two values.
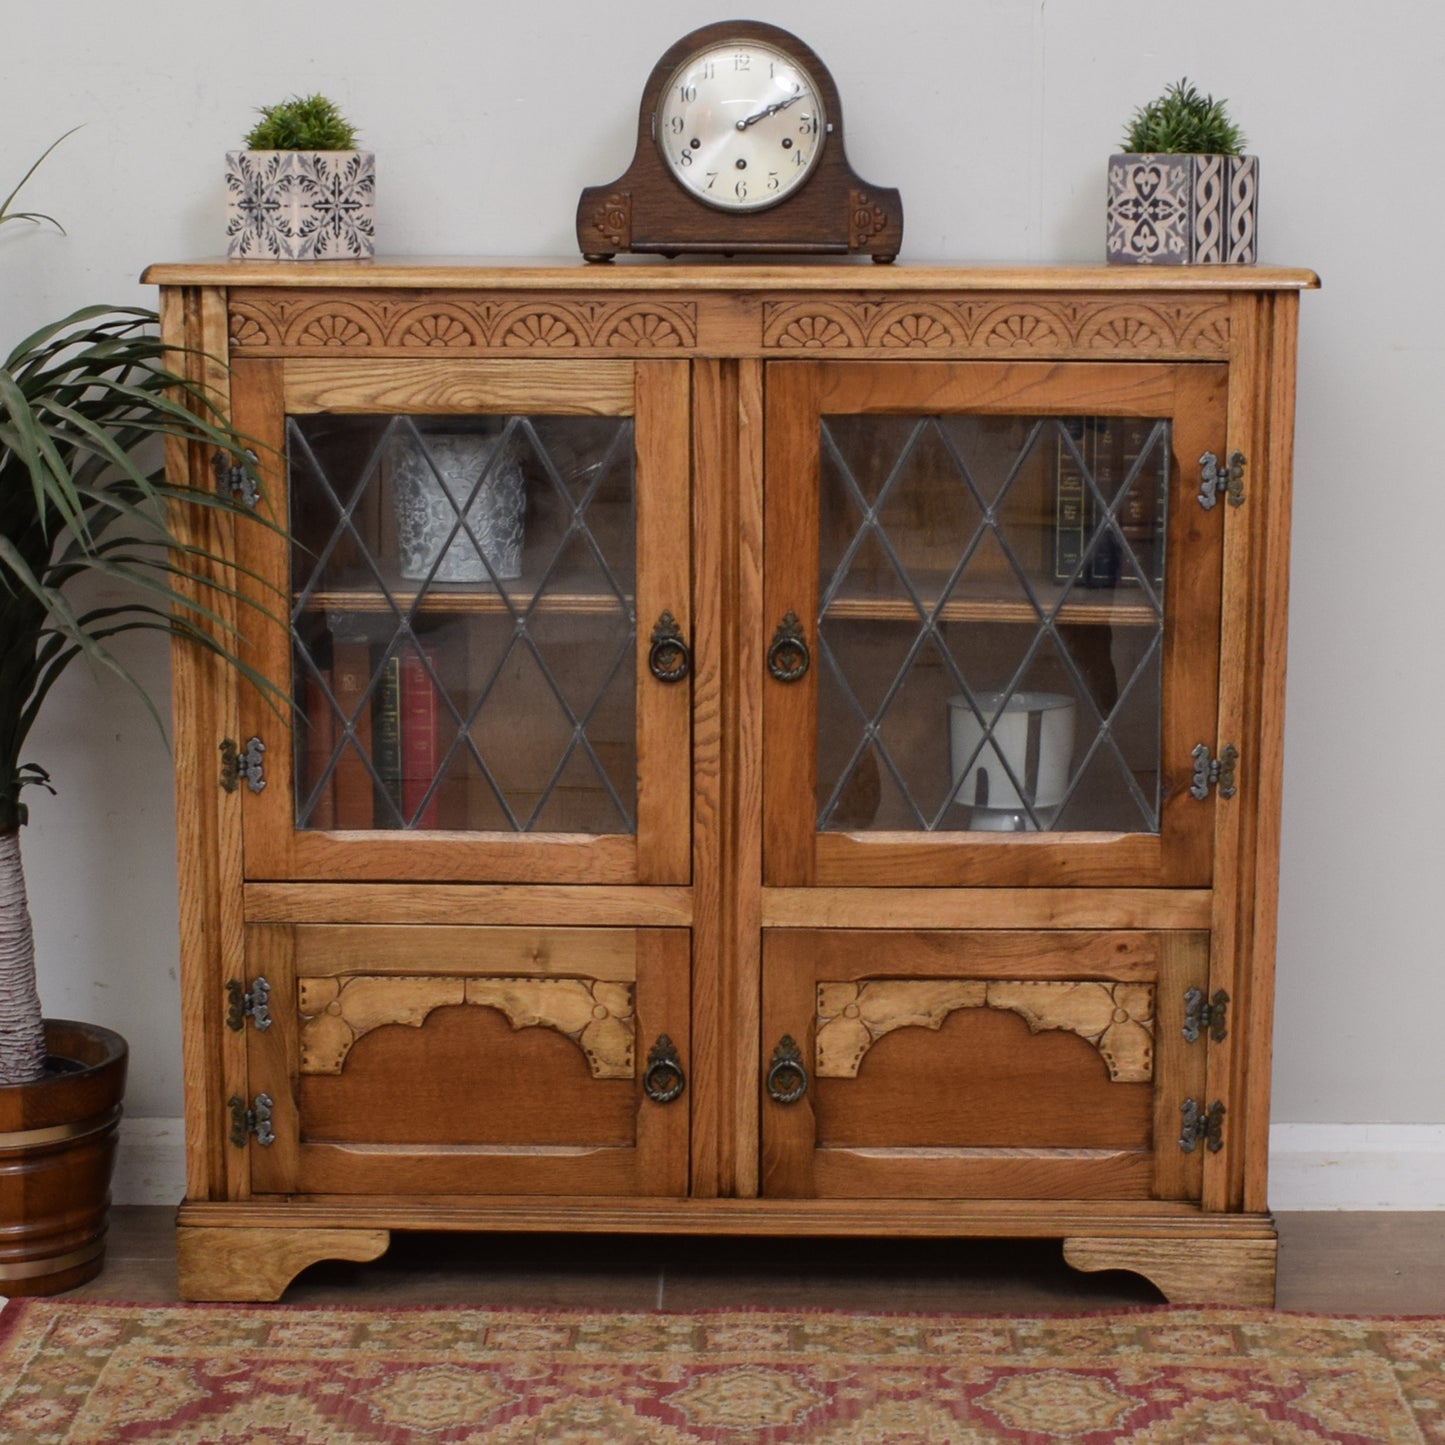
x=301, y=205
x=1179, y=210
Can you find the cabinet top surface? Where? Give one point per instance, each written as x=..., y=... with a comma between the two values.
x=651, y=273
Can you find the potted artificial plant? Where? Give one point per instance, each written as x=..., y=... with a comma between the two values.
x=301, y=190
x=84, y=406
x=1183, y=193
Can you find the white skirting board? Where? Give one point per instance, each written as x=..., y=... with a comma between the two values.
x=1311, y=1166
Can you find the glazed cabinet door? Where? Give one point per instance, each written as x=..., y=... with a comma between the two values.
x=989, y=1065
x=992, y=616
x=470, y=1061
x=483, y=617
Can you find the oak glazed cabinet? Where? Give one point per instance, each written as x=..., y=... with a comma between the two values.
x=776, y=750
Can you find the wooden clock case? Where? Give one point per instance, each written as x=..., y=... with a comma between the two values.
x=834, y=212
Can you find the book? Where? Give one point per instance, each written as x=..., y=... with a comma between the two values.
x=320, y=743
x=1070, y=499
x=355, y=805
x=420, y=752
x=1110, y=448
x=386, y=745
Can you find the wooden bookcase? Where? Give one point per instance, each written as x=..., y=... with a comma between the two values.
x=840, y=751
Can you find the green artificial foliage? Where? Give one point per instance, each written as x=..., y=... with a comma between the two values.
x=303, y=123
x=1183, y=122
x=86, y=404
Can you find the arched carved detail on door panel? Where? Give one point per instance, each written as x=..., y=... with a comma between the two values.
x=597, y=1016
x=1116, y=1018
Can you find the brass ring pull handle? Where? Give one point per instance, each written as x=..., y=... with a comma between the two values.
x=664, y=1079
x=788, y=655
x=787, y=1077
x=669, y=658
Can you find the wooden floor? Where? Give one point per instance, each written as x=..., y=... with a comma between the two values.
x=1375, y=1263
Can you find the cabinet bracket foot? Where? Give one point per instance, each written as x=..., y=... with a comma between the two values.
x=1199, y=1271
x=256, y=1265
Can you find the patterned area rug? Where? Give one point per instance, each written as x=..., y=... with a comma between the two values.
x=95, y=1374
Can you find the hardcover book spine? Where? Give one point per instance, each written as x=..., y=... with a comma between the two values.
x=420, y=738
x=320, y=742
x=386, y=745
x=1070, y=495
x=351, y=673
x=1101, y=454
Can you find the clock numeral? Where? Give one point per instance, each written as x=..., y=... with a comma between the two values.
x=687, y=93
x=711, y=180
x=807, y=125
x=742, y=62
x=684, y=158
x=774, y=180
x=677, y=125
x=800, y=158
x=741, y=190
x=709, y=70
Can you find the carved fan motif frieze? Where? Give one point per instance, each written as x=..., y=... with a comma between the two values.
x=400, y=324
x=993, y=326
x=1116, y=1018
x=597, y=1016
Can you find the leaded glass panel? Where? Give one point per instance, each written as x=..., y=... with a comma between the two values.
x=463, y=622
x=990, y=622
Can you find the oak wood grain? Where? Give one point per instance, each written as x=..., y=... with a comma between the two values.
x=257, y=1263
x=572, y=273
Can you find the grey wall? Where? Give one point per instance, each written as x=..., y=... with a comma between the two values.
x=994, y=119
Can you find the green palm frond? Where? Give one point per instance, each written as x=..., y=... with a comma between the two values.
x=85, y=405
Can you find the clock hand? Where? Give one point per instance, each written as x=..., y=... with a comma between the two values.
x=769, y=110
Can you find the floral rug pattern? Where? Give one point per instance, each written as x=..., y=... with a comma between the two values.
x=99, y=1374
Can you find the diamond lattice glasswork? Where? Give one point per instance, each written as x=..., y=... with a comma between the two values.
x=463, y=622
x=990, y=622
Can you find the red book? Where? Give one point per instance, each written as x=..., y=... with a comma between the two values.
x=420, y=738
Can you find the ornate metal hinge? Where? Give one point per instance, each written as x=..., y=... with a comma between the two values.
x=1202, y=1124
x=255, y=1120
x=252, y=1003
x=1214, y=479
x=1213, y=772
x=1203, y=1015
x=242, y=763
x=235, y=480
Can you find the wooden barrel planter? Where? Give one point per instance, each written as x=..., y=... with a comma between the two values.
x=57, y=1149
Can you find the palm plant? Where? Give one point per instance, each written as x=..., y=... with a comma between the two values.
x=84, y=404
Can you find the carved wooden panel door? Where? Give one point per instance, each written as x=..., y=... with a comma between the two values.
x=484, y=619
x=474, y=1061
x=994, y=608
x=989, y=1065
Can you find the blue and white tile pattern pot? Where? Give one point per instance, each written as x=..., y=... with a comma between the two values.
x=301, y=205
x=1183, y=210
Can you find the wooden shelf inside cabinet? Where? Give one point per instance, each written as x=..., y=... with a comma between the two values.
x=452, y=599
x=442, y=600
x=980, y=602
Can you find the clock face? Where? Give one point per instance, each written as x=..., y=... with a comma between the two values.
x=740, y=125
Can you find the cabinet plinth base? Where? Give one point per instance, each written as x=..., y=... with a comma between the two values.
x=256, y=1265
x=1202, y=1271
